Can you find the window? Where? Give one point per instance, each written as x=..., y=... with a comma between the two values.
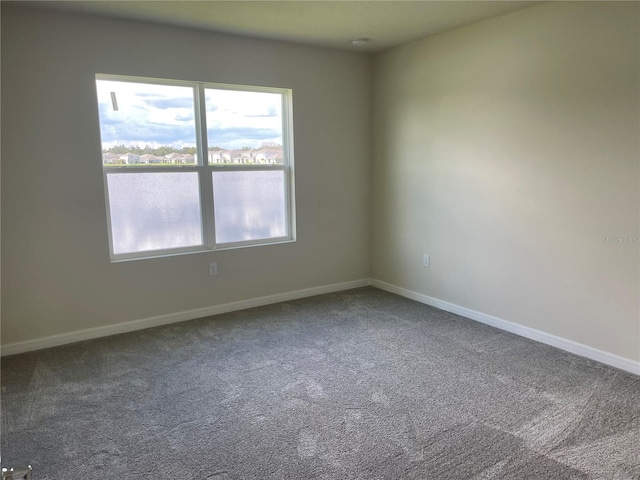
x=191, y=167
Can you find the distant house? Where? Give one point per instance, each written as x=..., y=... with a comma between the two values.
x=269, y=156
x=236, y=156
x=170, y=157
x=274, y=156
x=129, y=158
x=180, y=158
x=147, y=159
x=261, y=156
x=247, y=157
x=264, y=155
x=185, y=158
x=111, y=158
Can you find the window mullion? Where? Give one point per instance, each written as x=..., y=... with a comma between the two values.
x=287, y=134
x=204, y=172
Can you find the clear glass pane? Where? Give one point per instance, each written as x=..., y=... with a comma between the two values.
x=146, y=124
x=244, y=128
x=249, y=205
x=154, y=211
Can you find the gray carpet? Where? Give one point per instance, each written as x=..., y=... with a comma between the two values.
x=360, y=384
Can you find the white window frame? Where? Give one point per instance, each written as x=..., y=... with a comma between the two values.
x=205, y=171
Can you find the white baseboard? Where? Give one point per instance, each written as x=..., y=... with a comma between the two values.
x=89, y=333
x=537, y=335
x=558, y=342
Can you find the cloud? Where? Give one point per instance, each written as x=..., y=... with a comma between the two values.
x=116, y=131
x=271, y=112
x=105, y=109
x=236, y=137
x=164, y=103
x=148, y=117
x=146, y=95
x=187, y=117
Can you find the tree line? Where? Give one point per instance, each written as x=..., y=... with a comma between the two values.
x=147, y=150
x=165, y=150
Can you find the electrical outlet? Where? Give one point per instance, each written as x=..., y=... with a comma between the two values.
x=426, y=261
x=213, y=269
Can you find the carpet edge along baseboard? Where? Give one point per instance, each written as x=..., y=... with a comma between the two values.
x=582, y=350
x=570, y=346
x=159, y=320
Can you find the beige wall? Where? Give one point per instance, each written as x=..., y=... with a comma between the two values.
x=56, y=274
x=508, y=150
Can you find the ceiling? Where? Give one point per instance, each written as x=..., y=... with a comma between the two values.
x=324, y=23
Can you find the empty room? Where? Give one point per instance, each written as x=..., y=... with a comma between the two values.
x=320, y=240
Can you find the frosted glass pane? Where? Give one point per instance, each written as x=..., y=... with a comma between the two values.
x=249, y=205
x=153, y=211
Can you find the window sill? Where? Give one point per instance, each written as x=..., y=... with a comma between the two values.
x=152, y=255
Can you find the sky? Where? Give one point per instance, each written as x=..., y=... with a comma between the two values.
x=159, y=115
